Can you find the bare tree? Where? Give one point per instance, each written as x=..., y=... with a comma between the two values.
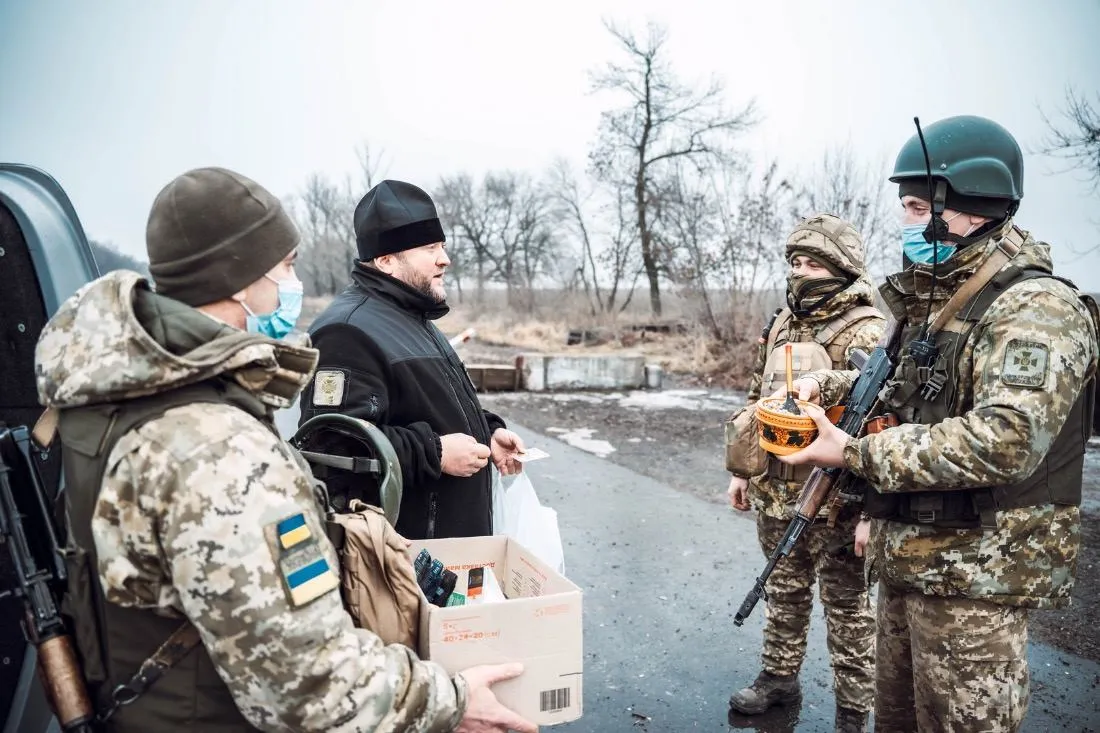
x=607, y=251
x=323, y=212
x=754, y=204
x=857, y=192
x=1077, y=138
x=371, y=168
x=505, y=224
x=661, y=120
x=689, y=238
x=470, y=228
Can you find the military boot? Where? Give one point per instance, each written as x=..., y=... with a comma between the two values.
x=850, y=721
x=767, y=690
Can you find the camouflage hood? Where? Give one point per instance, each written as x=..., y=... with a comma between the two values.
x=115, y=339
x=911, y=286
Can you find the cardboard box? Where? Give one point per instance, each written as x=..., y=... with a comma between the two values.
x=539, y=625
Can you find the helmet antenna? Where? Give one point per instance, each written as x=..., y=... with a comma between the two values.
x=923, y=349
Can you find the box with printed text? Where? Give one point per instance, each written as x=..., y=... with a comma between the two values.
x=539, y=624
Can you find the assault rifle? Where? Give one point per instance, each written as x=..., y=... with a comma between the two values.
x=27, y=530
x=874, y=371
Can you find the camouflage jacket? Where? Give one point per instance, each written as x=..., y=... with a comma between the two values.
x=999, y=436
x=771, y=495
x=194, y=507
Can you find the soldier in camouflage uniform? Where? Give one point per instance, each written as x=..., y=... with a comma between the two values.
x=976, y=515
x=830, y=313
x=190, y=519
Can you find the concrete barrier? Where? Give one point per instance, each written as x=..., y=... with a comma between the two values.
x=542, y=372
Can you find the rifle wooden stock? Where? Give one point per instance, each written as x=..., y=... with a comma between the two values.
x=815, y=491
x=64, y=684
x=38, y=570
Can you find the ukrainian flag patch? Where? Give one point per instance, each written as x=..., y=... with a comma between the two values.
x=292, y=531
x=304, y=570
x=308, y=577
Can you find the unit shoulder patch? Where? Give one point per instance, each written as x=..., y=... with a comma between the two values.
x=1025, y=364
x=329, y=386
x=302, y=567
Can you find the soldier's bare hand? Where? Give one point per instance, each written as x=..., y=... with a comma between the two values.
x=863, y=534
x=462, y=455
x=827, y=450
x=484, y=713
x=804, y=388
x=739, y=493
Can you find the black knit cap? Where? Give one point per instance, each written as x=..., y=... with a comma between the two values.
x=212, y=233
x=395, y=216
x=994, y=208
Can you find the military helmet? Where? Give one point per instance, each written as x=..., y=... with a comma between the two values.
x=830, y=239
x=979, y=160
x=355, y=448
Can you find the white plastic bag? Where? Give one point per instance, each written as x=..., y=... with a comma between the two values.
x=528, y=522
x=498, y=502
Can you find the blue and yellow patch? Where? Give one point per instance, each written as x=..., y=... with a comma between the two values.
x=292, y=531
x=307, y=577
x=303, y=568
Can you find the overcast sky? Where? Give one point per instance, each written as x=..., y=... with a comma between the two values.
x=115, y=98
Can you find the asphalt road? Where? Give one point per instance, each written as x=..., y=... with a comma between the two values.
x=663, y=572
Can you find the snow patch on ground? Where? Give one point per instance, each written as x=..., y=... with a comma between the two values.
x=687, y=399
x=582, y=438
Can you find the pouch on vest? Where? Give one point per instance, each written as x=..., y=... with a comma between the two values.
x=377, y=580
x=744, y=456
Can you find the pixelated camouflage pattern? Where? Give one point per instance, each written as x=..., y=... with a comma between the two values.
x=770, y=495
x=954, y=665
x=842, y=247
x=1002, y=432
x=823, y=556
x=180, y=519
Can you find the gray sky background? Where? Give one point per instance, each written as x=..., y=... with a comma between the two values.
x=115, y=98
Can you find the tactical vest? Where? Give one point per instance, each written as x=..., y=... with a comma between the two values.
x=825, y=351
x=929, y=395
x=114, y=641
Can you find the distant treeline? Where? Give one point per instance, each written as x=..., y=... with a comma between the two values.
x=108, y=257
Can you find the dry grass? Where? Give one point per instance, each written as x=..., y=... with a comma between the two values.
x=688, y=349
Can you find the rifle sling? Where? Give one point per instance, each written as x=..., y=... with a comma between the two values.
x=1007, y=248
x=175, y=648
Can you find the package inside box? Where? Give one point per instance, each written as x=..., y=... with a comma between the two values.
x=539, y=625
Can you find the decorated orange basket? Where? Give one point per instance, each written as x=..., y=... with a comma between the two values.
x=781, y=432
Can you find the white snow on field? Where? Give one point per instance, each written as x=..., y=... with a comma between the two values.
x=688, y=399
x=582, y=438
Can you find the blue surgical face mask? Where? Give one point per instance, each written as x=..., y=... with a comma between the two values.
x=918, y=250
x=279, y=322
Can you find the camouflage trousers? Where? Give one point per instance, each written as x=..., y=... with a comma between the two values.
x=949, y=664
x=823, y=554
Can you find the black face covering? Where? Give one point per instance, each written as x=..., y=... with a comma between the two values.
x=805, y=295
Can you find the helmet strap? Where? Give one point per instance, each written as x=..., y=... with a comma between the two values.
x=936, y=231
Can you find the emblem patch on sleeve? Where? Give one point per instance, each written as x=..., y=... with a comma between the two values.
x=328, y=388
x=303, y=568
x=293, y=531
x=1025, y=364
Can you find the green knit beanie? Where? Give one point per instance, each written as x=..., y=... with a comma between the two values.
x=212, y=233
